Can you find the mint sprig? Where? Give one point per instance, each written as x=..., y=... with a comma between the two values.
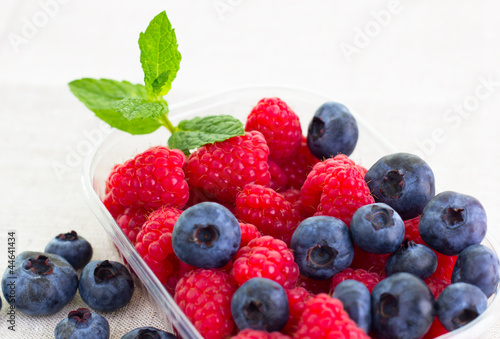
x=141, y=109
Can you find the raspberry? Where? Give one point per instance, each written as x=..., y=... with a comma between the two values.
x=344, y=192
x=347, y=185
x=293, y=196
x=298, y=166
x=248, y=233
x=150, y=180
x=221, y=169
x=369, y=279
x=369, y=261
x=436, y=330
x=314, y=286
x=437, y=285
x=131, y=221
x=296, y=302
x=278, y=177
x=265, y=257
x=154, y=242
x=324, y=317
x=254, y=334
x=279, y=125
x=268, y=210
x=113, y=208
x=204, y=295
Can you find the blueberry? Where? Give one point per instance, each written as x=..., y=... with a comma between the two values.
x=452, y=221
x=377, y=228
x=333, y=130
x=402, y=307
x=322, y=247
x=82, y=324
x=148, y=333
x=206, y=235
x=412, y=258
x=260, y=304
x=106, y=286
x=72, y=247
x=355, y=297
x=39, y=283
x=403, y=181
x=477, y=265
x=459, y=304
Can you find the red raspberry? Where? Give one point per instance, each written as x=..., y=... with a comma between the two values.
x=345, y=191
x=204, y=295
x=296, y=302
x=435, y=330
x=254, y=334
x=369, y=261
x=278, y=177
x=248, y=233
x=369, y=279
x=312, y=189
x=279, y=125
x=131, y=221
x=437, y=285
x=223, y=168
x=268, y=258
x=298, y=166
x=114, y=208
x=314, y=286
x=324, y=318
x=150, y=180
x=268, y=210
x=154, y=242
x=293, y=196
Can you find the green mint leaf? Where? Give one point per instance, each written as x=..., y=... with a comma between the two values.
x=191, y=134
x=101, y=96
x=132, y=108
x=160, y=57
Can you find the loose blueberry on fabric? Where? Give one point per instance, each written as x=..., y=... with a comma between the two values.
x=43, y=283
x=459, y=304
x=322, y=247
x=206, y=235
x=72, y=247
x=413, y=258
x=452, y=221
x=356, y=300
x=377, y=228
x=403, y=181
x=82, y=324
x=477, y=265
x=106, y=286
x=333, y=130
x=260, y=304
x=402, y=307
x=148, y=333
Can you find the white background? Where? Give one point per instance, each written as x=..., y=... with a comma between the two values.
x=416, y=70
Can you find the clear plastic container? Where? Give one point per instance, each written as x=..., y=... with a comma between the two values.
x=119, y=146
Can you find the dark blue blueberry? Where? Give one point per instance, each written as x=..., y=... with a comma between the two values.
x=82, y=324
x=452, y=221
x=377, y=228
x=412, y=258
x=206, y=235
x=333, y=130
x=72, y=247
x=355, y=297
x=402, y=307
x=459, y=304
x=260, y=304
x=403, y=181
x=477, y=265
x=39, y=283
x=148, y=333
x=106, y=286
x=322, y=247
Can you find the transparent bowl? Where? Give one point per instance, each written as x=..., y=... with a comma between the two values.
x=118, y=146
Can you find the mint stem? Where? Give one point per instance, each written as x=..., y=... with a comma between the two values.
x=165, y=122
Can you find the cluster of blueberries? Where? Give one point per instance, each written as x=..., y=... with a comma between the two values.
x=401, y=306
x=46, y=282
